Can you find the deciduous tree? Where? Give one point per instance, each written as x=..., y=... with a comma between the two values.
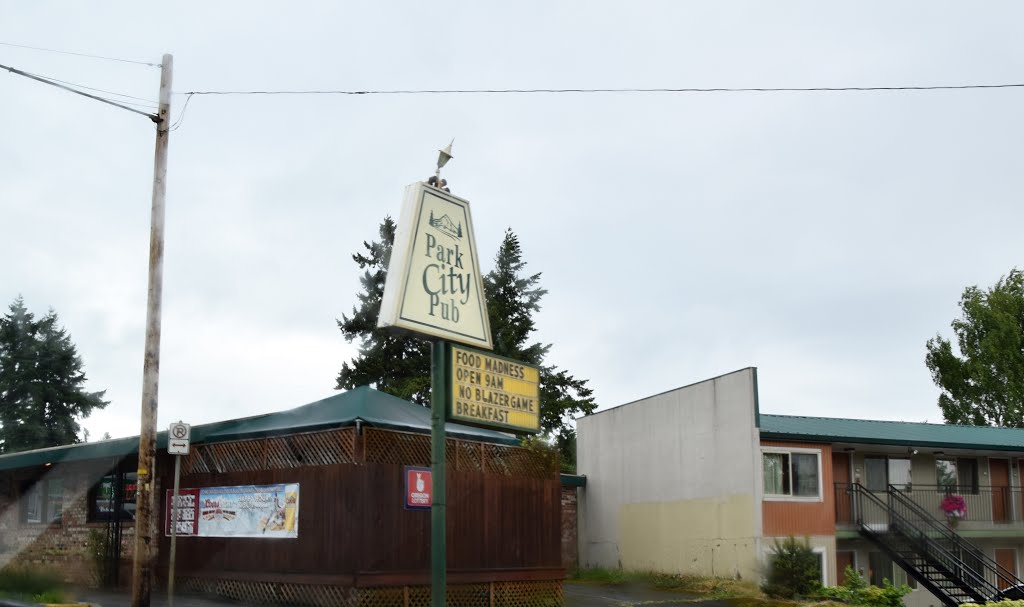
x=983, y=383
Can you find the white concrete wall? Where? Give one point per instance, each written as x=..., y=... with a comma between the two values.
x=671, y=481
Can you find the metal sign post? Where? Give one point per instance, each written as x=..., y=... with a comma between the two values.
x=438, y=511
x=435, y=289
x=178, y=442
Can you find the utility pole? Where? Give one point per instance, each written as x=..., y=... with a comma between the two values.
x=147, y=536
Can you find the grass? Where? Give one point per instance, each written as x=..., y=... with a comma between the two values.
x=708, y=587
x=31, y=585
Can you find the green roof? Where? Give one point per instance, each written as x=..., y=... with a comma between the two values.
x=372, y=407
x=877, y=432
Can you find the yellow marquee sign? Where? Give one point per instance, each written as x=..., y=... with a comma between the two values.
x=493, y=391
x=434, y=285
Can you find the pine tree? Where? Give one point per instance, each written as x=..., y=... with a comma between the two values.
x=395, y=364
x=41, y=383
x=512, y=299
x=400, y=365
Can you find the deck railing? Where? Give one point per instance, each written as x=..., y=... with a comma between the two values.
x=985, y=505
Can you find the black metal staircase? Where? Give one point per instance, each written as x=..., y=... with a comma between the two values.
x=941, y=560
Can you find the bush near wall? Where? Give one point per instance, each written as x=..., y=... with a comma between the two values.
x=35, y=585
x=856, y=591
x=794, y=570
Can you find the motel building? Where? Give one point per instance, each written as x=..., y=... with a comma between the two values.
x=696, y=480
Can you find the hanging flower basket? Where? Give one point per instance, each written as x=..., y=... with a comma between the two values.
x=955, y=508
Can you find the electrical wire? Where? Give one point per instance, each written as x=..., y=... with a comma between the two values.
x=149, y=102
x=45, y=80
x=177, y=123
x=813, y=89
x=51, y=50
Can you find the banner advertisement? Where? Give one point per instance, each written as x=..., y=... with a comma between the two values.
x=270, y=511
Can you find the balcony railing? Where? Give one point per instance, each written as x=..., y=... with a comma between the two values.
x=985, y=505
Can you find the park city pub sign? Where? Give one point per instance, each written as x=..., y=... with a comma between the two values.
x=434, y=284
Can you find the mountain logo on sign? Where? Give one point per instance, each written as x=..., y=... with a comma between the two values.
x=446, y=226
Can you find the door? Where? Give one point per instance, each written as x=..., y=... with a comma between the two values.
x=1007, y=559
x=999, y=472
x=844, y=559
x=841, y=477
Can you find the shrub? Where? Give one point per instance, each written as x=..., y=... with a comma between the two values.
x=97, y=547
x=794, y=570
x=856, y=591
x=28, y=583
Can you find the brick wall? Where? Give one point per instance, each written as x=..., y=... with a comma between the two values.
x=61, y=546
x=570, y=549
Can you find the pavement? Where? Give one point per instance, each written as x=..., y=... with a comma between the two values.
x=630, y=595
x=576, y=595
x=101, y=598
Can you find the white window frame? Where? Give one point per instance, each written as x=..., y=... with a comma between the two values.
x=35, y=502
x=770, y=497
x=820, y=550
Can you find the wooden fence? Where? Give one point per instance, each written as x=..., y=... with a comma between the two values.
x=358, y=545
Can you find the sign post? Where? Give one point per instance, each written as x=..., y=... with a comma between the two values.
x=435, y=289
x=179, y=437
x=438, y=510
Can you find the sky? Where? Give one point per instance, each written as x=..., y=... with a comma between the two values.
x=821, y=237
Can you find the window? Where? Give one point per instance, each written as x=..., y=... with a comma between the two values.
x=43, y=501
x=876, y=472
x=957, y=475
x=54, y=499
x=882, y=471
x=881, y=567
x=104, y=497
x=820, y=553
x=899, y=473
x=968, y=473
x=33, y=500
x=794, y=473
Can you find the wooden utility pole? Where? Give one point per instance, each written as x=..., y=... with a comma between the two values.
x=147, y=535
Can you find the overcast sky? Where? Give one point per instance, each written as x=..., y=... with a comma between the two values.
x=821, y=237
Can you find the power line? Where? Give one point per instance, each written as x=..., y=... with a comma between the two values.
x=813, y=89
x=52, y=82
x=177, y=123
x=51, y=50
x=90, y=88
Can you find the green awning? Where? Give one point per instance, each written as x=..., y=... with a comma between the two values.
x=372, y=407
x=879, y=432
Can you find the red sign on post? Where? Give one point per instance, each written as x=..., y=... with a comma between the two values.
x=419, y=490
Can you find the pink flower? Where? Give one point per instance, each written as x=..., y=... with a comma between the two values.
x=954, y=506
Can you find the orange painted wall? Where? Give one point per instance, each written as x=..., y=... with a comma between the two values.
x=803, y=518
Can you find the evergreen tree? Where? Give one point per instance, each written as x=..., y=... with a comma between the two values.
x=400, y=365
x=391, y=363
x=41, y=383
x=512, y=299
x=984, y=386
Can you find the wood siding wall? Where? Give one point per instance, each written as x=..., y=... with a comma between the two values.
x=354, y=528
x=800, y=518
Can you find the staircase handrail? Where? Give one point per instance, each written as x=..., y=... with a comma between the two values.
x=939, y=552
x=1001, y=572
